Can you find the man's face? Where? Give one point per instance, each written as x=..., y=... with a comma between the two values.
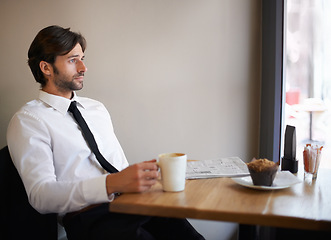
x=68, y=71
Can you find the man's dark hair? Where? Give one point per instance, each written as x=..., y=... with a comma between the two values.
x=49, y=43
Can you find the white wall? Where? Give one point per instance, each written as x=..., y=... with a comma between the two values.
x=176, y=75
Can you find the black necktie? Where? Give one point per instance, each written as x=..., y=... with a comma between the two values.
x=90, y=138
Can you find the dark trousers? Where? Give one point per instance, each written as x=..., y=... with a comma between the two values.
x=98, y=223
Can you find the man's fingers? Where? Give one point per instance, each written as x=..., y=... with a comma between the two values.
x=151, y=161
x=151, y=174
x=148, y=165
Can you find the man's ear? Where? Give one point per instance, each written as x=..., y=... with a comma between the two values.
x=46, y=68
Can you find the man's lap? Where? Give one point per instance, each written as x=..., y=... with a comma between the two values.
x=99, y=223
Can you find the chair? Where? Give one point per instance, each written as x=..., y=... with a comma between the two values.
x=18, y=219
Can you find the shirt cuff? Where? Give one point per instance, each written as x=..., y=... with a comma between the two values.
x=94, y=190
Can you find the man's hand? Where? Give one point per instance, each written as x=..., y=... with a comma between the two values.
x=139, y=177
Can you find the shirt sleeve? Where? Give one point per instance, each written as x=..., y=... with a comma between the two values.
x=30, y=146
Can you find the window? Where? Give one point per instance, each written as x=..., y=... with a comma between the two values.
x=277, y=80
x=307, y=73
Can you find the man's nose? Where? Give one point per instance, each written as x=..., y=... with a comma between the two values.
x=81, y=67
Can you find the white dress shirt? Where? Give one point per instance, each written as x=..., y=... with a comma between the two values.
x=58, y=169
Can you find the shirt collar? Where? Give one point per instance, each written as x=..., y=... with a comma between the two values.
x=59, y=103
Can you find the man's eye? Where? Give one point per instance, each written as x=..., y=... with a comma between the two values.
x=72, y=60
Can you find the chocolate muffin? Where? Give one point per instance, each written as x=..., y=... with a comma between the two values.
x=262, y=171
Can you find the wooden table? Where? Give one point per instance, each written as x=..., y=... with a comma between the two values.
x=301, y=206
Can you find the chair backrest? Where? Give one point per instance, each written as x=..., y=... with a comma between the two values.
x=18, y=219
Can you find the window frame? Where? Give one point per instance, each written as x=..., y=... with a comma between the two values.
x=272, y=79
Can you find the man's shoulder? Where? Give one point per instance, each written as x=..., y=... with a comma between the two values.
x=89, y=102
x=32, y=105
x=31, y=108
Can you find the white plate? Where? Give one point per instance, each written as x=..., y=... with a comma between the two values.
x=283, y=179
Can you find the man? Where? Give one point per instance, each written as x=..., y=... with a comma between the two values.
x=60, y=172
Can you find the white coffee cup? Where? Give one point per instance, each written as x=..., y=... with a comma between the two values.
x=173, y=171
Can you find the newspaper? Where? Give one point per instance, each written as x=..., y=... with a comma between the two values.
x=221, y=167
